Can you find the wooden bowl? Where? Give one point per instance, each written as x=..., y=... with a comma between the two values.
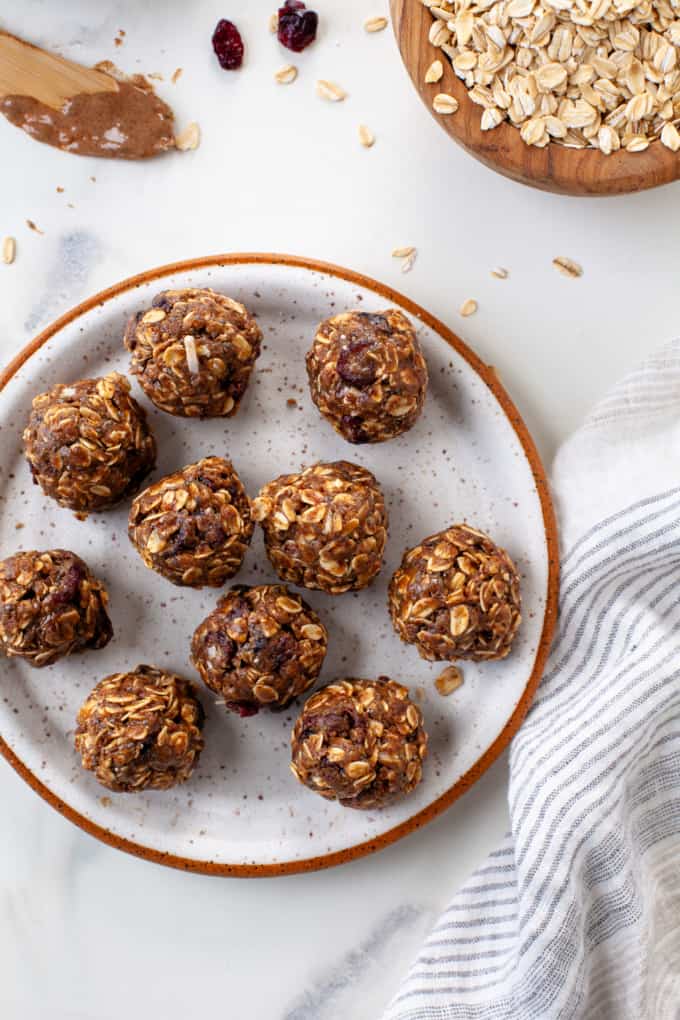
x=554, y=168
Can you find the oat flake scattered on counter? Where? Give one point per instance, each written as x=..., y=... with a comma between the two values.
x=375, y=24
x=468, y=307
x=500, y=273
x=408, y=254
x=286, y=75
x=366, y=137
x=567, y=267
x=9, y=247
x=190, y=138
x=330, y=91
x=583, y=73
x=409, y=262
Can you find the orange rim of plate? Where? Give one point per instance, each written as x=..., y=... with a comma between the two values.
x=488, y=375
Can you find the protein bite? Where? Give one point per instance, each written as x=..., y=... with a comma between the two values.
x=360, y=742
x=194, y=526
x=367, y=375
x=193, y=352
x=50, y=606
x=260, y=648
x=88, y=443
x=456, y=596
x=325, y=527
x=140, y=730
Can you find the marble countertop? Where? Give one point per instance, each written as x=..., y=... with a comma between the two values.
x=280, y=170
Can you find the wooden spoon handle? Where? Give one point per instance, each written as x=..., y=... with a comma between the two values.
x=26, y=70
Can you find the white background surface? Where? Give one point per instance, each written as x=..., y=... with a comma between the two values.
x=280, y=170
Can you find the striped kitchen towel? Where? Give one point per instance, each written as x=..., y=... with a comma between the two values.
x=577, y=914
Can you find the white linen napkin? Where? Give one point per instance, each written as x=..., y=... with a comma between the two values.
x=577, y=914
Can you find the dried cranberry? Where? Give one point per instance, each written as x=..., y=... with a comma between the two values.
x=228, y=45
x=210, y=530
x=185, y=537
x=336, y=724
x=353, y=429
x=223, y=641
x=69, y=587
x=355, y=366
x=277, y=652
x=297, y=25
x=243, y=708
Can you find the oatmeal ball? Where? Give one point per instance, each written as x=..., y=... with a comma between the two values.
x=325, y=527
x=50, y=606
x=88, y=443
x=193, y=352
x=194, y=526
x=367, y=375
x=360, y=742
x=456, y=596
x=140, y=730
x=260, y=648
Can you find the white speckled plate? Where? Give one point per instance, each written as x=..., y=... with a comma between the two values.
x=468, y=458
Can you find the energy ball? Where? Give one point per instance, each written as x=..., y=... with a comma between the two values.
x=193, y=352
x=367, y=375
x=325, y=527
x=260, y=648
x=456, y=596
x=194, y=526
x=88, y=443
x=360, y=742
x=140, y=730
x=50, y=606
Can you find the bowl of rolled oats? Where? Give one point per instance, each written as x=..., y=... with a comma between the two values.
x=227, y=625
x=578, y=97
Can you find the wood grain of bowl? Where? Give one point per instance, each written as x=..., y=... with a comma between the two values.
x=554, y=168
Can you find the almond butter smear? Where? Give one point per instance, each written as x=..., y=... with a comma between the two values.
x=130, y=123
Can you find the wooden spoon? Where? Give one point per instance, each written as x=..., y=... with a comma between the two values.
x=83, y=110
x=554, y=168
x=26, y=70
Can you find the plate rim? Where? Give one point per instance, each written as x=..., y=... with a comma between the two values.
x=488, y=375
